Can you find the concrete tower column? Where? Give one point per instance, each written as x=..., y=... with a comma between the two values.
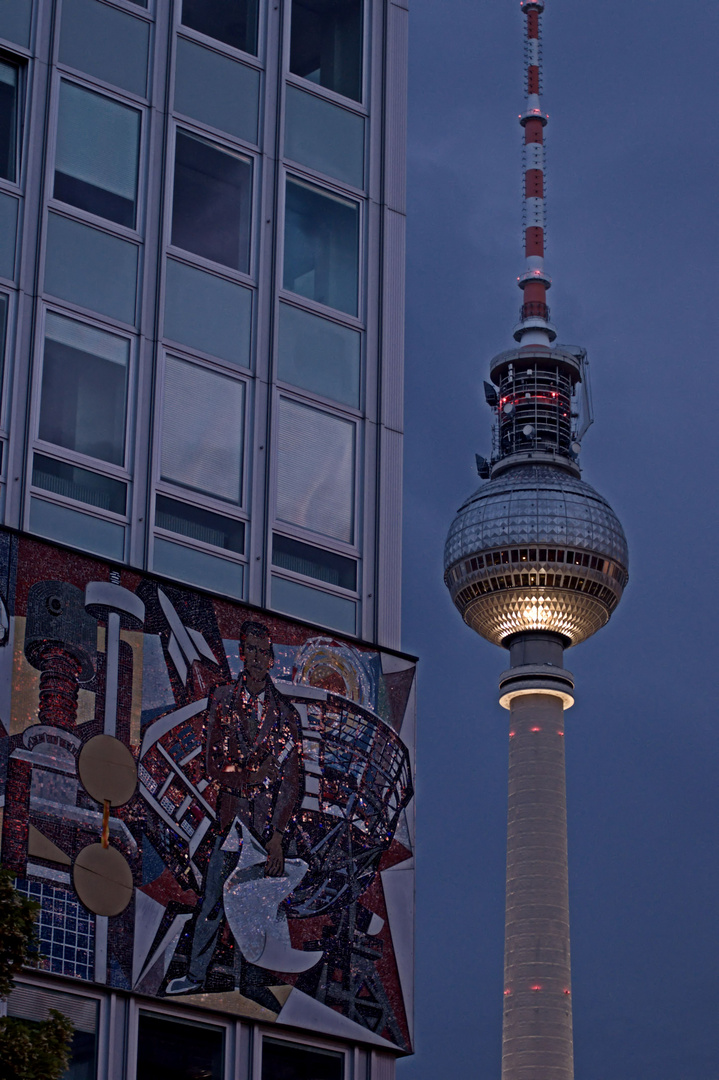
x=537, y=1028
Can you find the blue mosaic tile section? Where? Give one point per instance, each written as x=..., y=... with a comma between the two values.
x=65, y=930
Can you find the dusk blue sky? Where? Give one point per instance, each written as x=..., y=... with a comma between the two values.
x=633, y=171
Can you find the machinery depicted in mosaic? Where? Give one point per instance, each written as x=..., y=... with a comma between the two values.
x=211, y=803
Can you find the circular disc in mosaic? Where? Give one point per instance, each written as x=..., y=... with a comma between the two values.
x=102, y=879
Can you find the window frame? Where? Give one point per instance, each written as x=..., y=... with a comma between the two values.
x=314, y=175
x=351, y=550
x=347, y=322
x=144, y=14
x=127, y=100
x=225, y=144
x=227, y=52
x=333, y=189
x=22, y=62
x=299, y=1038
x=324, y=91
x=238, y=511
x=159, y=1007
x=221, y=46
x=123, y=473
x=76, y=988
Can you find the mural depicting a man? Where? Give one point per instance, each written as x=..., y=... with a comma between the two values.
x=253, y=751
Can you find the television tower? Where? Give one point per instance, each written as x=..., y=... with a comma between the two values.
x=536, y=561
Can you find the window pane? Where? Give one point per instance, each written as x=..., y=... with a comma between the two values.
x=200, y=524
x=217, y=90
x=315, y=475
x=106, y=43
x=8, y=119
x=3, y=341
x=319, y=355
x=321, y=246
x=304, y=602
x=34, y=1004
x=326, y=44
x=208, y=313
x=8, y=234
x=209, y=572
x=84, y=389
x=15, y=20
x=202, y=430
x=80, y=484
x=211, y=202
x=231, y=21
x=78, y=530
x=314, y=562
x=324, y=137
x=178, y=1050
x=98, y=143
x=76, y=262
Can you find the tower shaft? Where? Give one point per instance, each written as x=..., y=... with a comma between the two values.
x=537, y=1026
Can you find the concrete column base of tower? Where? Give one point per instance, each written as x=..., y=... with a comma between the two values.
x=537, y=1029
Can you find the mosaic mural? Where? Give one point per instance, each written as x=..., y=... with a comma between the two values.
x=213, y=804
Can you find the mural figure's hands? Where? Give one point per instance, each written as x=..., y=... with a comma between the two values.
x=275, y=856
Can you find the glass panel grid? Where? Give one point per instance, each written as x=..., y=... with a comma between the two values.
x=66, y=931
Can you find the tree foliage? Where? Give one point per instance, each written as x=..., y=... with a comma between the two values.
x=29, y=1050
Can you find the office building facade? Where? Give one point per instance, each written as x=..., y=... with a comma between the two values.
x=201, y=307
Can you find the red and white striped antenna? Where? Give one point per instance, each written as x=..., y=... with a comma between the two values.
x=534, y=327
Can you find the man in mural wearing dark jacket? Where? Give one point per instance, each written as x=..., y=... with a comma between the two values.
x=253, y=751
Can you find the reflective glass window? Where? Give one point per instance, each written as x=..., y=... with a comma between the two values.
x=178, y=1049
x=326, y=44
x=33, y=1004
x=232, y=21
x=105, y=42
x=313, y=562
x=211, y=202
x=208, y=313
x=199, y=524
x=77, y=258
x=15, y=17
x=96, y=163
x=319, y=355
x=321, y=246
x=72, y=527
x=324, y=136
x=84, y=389
x=315, y=470
x=209, y=572
x=9, y=125
x=3, y=335
x=81, y=484
x=217, y=90
x=8, y=234
x=202, y=430
x=327, y=609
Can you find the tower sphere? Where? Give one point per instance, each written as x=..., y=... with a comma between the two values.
x=536, y=548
